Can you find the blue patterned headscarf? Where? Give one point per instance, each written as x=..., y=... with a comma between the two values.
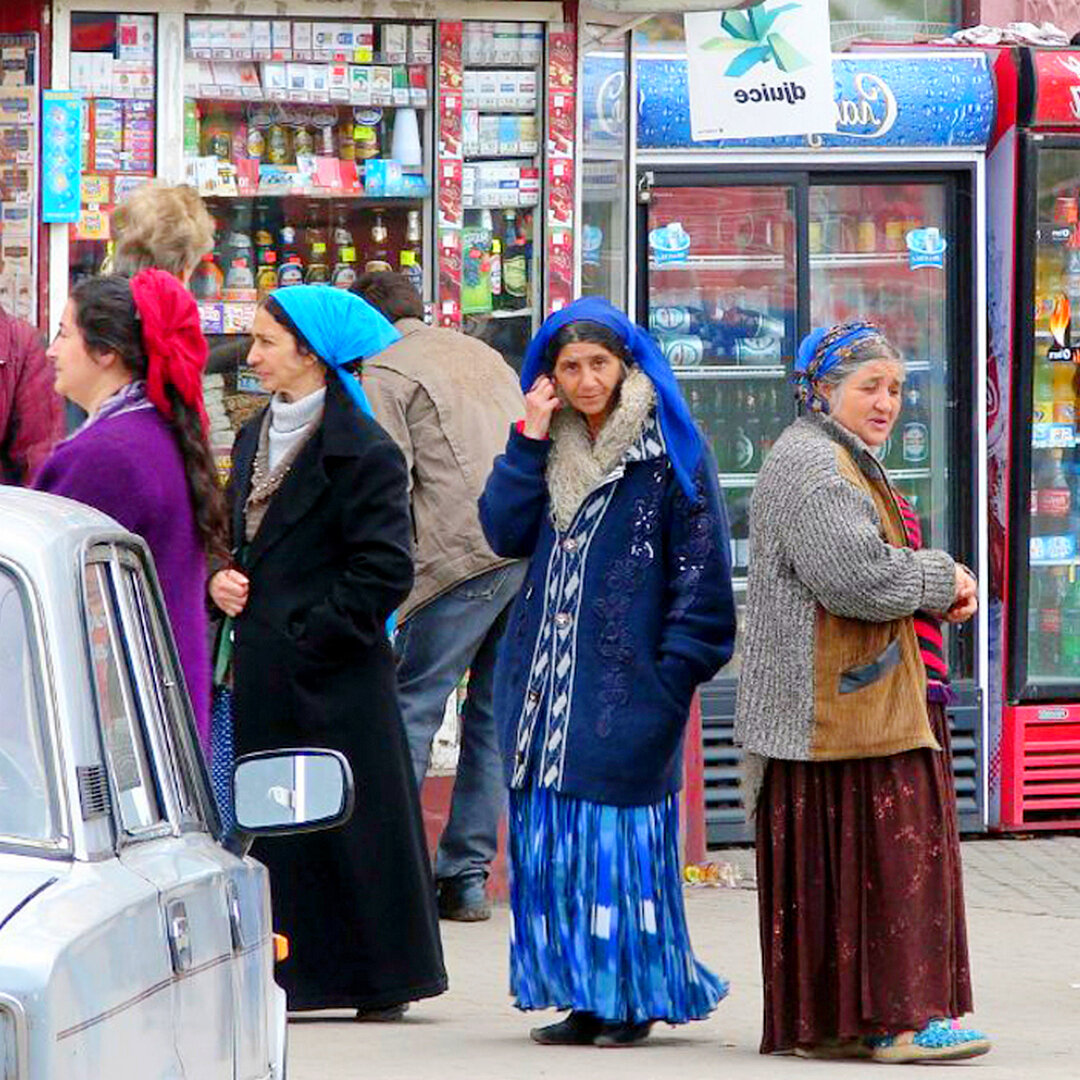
x=340, y=327
x=826, y=348
x=681, y=436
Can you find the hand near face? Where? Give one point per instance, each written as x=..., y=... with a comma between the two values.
x=540, y=404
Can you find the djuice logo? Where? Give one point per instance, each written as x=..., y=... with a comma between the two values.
x=789, y=91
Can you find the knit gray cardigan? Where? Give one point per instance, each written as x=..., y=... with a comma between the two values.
x=816, y=539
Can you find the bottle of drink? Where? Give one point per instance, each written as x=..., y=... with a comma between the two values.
x=496, y=274
x=1064, y=395
x=379, y=259
x=742, y=449
x=1051, y=597
x=344, y=275
x=318, y=267
x=1070, y=623
x=1043, y=393
x=1053, y=498
x=291, y=265
x=774, y=422
x=207, y=282
x=412, y=253
x=515, y=265
x=915, y=436
x=265, y=264
x=240, y=274
x=677, y=319
x=753, y=426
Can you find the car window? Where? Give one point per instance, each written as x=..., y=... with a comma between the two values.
x=26, y=803
x=162, y=689
x=125, y=748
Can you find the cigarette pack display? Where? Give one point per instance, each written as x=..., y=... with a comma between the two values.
x=528, y=135
x=340, y=88
x=363, y=43
x=506, y=43
x=322, y=40
x=359, y=84
x=421, y=44
x=199, y=41
x=470, y=132
x=382, y=85
x=532, y=43
x=240, y=39
x=275, y=81
x=419, y=98
x=508, y=140
x=262, y=40
x=302, y=40
x=489, y=135
x=487, y=89
x=220, y=46
x=282, y=38
x=527, y=89
x=395, y=43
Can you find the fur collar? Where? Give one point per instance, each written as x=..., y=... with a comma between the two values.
x=577, y=465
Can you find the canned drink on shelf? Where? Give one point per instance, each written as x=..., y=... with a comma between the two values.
x=683, y=350
x=758, y=351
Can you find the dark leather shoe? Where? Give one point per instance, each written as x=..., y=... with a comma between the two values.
x=388, y=1015
x=464, y=898
x=623, y=1034
x=578, y=1029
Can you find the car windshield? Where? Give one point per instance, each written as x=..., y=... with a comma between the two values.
x=25, y=803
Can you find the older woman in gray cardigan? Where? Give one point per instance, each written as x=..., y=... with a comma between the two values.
x=863, y=940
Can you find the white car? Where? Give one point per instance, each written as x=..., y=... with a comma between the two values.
x=135, y=939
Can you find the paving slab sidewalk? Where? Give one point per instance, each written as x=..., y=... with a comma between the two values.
x=1023, y=901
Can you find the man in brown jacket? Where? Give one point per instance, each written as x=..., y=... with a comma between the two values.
x=448, y=401
x=31, y=412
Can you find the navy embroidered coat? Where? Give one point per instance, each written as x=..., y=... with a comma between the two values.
x=620, y=618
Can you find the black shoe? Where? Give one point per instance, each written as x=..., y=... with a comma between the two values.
x=578, y=1029
x=382, y=1016
x=464, y=898
x=623, y=1034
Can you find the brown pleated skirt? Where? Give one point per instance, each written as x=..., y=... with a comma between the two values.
x=860, y=896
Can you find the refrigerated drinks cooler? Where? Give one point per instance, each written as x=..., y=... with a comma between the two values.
x=742, y=248
x=1034, y=448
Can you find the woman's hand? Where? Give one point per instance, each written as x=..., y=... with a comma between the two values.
x=540, y=404
x=966, y=602
x=229, y=590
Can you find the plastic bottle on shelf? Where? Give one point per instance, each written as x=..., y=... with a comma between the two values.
x=496, y=274
x=1070, y=623
x=265, y=263
x=515, y=264
x=240, y=271
x=915, y=434
x=1043, y=393
x=318, y=266
x=1053, y=500
x=1064, y=409
x=207, y=282
x=754, y=425
x=1051, y=597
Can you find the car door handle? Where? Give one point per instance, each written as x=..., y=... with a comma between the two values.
x=179, y=936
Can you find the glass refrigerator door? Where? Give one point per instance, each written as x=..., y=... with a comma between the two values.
x=881, y=252
x=1053, y=503
x=722, y=305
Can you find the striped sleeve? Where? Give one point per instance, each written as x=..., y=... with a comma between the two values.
x=927, y=628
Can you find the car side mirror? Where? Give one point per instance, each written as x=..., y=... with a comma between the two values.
x=292, y=791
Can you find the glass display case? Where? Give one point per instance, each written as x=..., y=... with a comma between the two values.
x=310, y=143
x=113, y=64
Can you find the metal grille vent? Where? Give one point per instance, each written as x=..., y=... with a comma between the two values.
x=93, y=790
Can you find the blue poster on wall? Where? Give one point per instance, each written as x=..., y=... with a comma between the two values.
x=897, y=101
x=61, y=154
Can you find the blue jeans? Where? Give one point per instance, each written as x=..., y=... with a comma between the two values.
x=458, y=632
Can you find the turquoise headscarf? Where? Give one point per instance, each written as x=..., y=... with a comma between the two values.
x=340, y=327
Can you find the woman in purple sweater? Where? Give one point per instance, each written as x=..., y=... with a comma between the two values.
x=130, y=352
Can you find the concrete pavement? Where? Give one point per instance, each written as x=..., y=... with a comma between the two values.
x=1023, y=901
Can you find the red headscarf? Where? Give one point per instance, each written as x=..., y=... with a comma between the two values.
x=176, y=350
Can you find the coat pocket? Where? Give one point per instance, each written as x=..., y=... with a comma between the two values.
x=863, y=675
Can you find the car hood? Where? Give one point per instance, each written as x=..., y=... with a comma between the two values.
x=20, y=884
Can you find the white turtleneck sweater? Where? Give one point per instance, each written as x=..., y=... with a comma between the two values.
x=290, y=422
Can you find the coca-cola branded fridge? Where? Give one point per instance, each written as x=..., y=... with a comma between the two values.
x=1034, y=461
x=743, y=246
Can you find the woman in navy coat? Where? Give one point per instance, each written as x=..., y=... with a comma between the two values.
x=607, y=487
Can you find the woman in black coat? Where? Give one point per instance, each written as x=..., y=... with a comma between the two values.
x=321, y=526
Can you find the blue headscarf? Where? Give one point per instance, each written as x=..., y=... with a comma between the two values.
x=341, y=327
x=820, y=352
x=681, y=436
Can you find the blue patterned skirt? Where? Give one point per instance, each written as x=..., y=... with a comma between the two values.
x=597, y=918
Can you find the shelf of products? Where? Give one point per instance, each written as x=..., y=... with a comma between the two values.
x=729, y=373
x=307, y=140
x=717, y=262
x=113, y=64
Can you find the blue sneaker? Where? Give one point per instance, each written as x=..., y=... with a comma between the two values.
x=940, y=1040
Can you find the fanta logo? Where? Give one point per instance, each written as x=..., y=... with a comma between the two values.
x=873, y=108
